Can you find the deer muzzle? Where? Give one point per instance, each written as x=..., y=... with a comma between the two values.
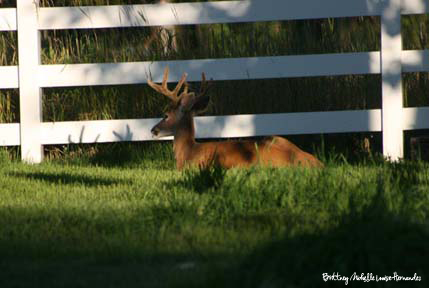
x=155, y=132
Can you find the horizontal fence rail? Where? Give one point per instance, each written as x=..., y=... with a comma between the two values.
x=217, y=69
x=10, y=134
x=7, y=19
x=201, y=13
x=9, y=77
x=28, y=20
x=102, y=131
x=68, y=75
x=211, y=13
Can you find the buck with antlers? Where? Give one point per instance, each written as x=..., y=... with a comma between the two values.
x=179, y=122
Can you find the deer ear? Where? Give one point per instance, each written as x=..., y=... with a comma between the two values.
x=200, y=104
x=187, y=101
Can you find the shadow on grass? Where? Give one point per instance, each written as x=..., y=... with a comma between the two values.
x=65, y=178
x=63, y=248
x=121, y=154
x=370, y=241
x=111, y=251
x=200, y=180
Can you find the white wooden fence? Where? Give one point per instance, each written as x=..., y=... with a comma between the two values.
x=30, y=76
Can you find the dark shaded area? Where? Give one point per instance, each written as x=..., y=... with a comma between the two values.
x=414, y=31
x=119, y=154
x=201, y=180
x=369, y=241
x=68, y=248
x=8, y=47
x=420, y=147
x=9, y=106
x=167, y=272
x=207, y=41
x=355, y=148
x=296, y=95
x=227, y=98
x=101, y=103
x=9, y=153
x=65, y=178
x=128, y=154
x=416, y=144
x=7, y=3
x=415, y=89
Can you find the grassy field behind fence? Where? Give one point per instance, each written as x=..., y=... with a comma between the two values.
x=277, y=38
x=92, y=221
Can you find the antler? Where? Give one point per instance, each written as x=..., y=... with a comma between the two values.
x=205, y=85
x=163, y=89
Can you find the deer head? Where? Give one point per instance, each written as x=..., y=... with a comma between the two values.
x=183, y=107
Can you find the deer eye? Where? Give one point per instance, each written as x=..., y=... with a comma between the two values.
x=165, y=116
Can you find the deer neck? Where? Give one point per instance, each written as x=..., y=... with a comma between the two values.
x=184, y=141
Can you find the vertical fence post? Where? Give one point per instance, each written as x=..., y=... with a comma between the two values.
x=30, y=94
x=391, y=74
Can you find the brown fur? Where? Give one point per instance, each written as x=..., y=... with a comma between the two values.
x=271, y=151
x=179, y=121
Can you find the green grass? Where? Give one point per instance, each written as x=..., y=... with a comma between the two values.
x=90, y=221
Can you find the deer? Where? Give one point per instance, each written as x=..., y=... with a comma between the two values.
x=178, y=122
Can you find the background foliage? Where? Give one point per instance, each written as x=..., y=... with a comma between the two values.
x=359, y=34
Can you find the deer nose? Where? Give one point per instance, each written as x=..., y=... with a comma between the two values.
x=155, y=131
